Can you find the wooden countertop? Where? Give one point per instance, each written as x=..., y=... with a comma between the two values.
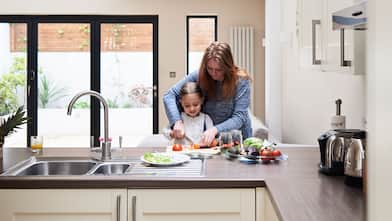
x=297, y=190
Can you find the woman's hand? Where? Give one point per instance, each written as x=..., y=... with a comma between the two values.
x=178, y=130
x=208, y=136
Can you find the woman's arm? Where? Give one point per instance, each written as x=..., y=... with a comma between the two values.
x=239, y=115
x=240, y=112
x=172, y=97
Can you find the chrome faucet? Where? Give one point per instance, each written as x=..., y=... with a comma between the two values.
x=106, y=145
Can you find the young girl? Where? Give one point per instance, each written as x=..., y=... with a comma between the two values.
x=226, y=88
x=195, y=122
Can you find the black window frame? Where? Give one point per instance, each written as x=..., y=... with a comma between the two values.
x=95, y=22
x=188, y=18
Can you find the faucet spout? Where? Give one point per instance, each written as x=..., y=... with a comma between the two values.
x=106, y=145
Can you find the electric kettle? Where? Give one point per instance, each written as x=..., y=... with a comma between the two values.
x=353, y=163
x=332, y=150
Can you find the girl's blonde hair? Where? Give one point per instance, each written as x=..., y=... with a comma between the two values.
x=191, y=88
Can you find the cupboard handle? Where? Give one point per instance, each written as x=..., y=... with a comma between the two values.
x=314, y=60
x=118, y=207
x=343, y=62
x=133, y=208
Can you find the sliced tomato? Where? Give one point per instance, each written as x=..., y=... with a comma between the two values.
x=177, y=147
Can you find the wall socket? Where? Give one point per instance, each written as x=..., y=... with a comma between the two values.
x=172, y=74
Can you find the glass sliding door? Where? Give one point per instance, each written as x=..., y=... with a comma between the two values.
x=63, y=70
x=46, y=59
x=127, y=80
x=13, y=73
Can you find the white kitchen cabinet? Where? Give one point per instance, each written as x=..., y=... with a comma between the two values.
x=195, y=204
x=332, y=55
x=320, y=47
x=63, y=205
x=133, y=205
x=309, y=32
x=265, y=211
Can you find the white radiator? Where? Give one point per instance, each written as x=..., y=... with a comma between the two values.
x=242, y=46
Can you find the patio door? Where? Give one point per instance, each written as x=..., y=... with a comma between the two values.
x=114, y=55
x=127, y=79
x=13, y=75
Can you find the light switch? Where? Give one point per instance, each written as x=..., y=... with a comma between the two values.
x=172, y=74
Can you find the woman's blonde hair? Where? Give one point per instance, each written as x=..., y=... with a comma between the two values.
x=221, y=53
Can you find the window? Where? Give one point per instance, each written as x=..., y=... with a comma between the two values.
x=59, y=56
x=201, y=31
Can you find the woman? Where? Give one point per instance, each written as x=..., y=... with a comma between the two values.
x=227, y=94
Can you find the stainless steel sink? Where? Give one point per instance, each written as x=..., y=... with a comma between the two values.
x=111, y=168
x=57, y=168
x=50, y=166
x=78, y=166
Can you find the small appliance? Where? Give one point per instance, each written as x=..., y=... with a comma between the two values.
x=331, y=153
x=354, y=158
x=342, y=152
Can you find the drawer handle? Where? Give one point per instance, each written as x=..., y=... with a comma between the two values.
x=133, y=208
x=118, y=207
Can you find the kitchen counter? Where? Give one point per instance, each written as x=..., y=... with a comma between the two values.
x=297, y=190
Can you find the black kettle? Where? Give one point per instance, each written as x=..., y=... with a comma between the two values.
x=332, y=152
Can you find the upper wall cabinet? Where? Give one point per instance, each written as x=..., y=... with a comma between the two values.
x=323, y=46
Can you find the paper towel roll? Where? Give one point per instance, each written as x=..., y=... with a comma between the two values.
x=338, y=122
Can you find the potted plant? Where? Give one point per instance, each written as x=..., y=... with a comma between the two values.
x=11, y=123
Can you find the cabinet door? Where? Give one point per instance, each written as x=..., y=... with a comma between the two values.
x=63, y=205
x=332, y=41
x=309, y=34
x=265, y=211
x=192, y=205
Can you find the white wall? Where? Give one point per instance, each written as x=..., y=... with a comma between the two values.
x=273, y=69
x=379, y=108
x=172, y=29
x=308, y=95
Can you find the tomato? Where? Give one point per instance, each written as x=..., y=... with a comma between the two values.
x=177, y=147
x=276, y=153
x=214, y=143
x=195, y=146
x=266, y=153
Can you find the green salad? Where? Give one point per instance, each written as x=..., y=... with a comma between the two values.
x=157, y=158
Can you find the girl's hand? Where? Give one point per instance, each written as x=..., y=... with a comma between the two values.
x=178, y=130
x=208, y=136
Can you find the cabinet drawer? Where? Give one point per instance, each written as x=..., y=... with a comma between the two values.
x=186, y=204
